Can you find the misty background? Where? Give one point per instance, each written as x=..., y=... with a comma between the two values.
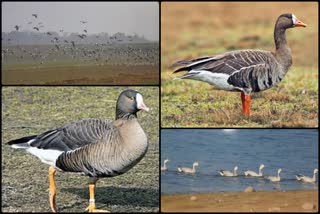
x=82, y=22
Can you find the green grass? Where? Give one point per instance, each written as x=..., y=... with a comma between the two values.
x=33, y=110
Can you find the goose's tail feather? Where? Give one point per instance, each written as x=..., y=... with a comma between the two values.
x=21, y=142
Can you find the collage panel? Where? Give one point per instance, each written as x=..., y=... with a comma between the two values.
x=241, y=49
x=80, y=43
x=239, y=170
x=99, y=132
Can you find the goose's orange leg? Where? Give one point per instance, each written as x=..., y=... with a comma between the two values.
x=52, y=189
x=245, y=99
x=92, y=204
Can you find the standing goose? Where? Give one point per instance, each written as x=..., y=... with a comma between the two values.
x=245, y=71
x=254, y=174
x=228, y=173
x=275, y=178
x=93, y=147
x=189, y=170
x=164, y=167
x=306, y=178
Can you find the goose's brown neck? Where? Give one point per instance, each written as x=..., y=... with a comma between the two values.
x=123, y=115
x=283, y=52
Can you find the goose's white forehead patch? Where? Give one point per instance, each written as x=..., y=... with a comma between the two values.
x=294, y=19
x=139, y=99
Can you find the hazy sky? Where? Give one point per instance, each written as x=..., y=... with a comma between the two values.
x=112, y=17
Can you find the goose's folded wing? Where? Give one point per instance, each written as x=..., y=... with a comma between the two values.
x=73, y=135
x=229, y=62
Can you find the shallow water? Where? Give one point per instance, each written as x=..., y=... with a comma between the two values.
x=293, y=150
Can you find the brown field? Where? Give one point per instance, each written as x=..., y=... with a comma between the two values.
x=289, y=201
x=83, y=75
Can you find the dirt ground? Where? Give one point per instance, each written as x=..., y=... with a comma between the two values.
x=83, y=75
x=33, y=110
x=289, y=201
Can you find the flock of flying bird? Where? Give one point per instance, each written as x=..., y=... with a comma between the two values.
x=248, y=173
x=99, y=53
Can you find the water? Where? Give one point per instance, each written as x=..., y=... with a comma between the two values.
x=293, y=150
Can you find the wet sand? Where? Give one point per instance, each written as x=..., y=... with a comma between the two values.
x=288, y=201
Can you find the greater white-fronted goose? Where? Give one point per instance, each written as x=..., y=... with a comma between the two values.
x=228, y=173
x=306, y=178
x=93, y=147
x=164, y=167
x=254, y=174
x=189, y=170
x=275, y=178
x=245, y=71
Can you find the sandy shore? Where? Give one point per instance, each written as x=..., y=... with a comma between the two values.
x=289, y=201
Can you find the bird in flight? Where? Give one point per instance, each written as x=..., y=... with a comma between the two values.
x=35, y=15
x=83, y=22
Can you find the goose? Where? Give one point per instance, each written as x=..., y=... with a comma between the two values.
x=228, y=173
x=35, y=15
x=36, y=28
x=245, y=71
x=189, y=170
x=17, y=27
x=94, y=147
x=164, y=167
x=306, y=178
x=254, y=174
x=83, y=22
x=275, y=178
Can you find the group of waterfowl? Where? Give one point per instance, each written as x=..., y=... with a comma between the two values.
x=247, y=173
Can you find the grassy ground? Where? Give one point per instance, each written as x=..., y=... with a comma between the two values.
x=192, y=30
x=33, y=110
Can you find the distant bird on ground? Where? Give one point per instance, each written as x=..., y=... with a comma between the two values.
x=228, y=173
x=245, y=71
x=306, y=178
x=94, y=147
x=164, y=167
x=254, y=174
x=189, y=170
x=83, y=22
x=275, y=178
x=36, y=28
x=35, y=15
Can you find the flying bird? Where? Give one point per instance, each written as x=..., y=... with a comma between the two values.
x=35, y=15
x=94, y=147
x=17, y=27
x=36, y=28
x=85, y=30
x=83, y=22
